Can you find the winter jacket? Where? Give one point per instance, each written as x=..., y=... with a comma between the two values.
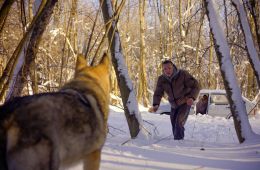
x=179, y=87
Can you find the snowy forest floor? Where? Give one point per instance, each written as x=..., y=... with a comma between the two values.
x=210, y=143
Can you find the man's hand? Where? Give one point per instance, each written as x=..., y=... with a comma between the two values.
x=190, y=101
x=153, y=108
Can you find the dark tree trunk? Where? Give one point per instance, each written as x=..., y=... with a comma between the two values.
x=116, y=50
x=41, y=22
x=224, y=60
x=4, y=12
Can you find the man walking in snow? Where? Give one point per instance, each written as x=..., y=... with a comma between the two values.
x=182, y=89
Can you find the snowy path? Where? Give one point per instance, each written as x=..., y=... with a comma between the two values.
x=210, y=143
x=180, y=155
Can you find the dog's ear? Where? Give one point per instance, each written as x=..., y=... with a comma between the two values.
x=105, y=61
x=81, y=63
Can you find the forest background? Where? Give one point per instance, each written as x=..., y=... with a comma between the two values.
x=40, y=40
x=177, y=30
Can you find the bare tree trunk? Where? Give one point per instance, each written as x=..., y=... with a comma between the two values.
x=170, y=31
x=226, y=18
x=34, y=77
x=250, y=80
x=64, y=47
x=68, y=41
x=237, y=106
x=9, y=71
x=162, y=51
x=142, y=92
x=30, y=10
x=91, y=34
x=182, y=37
x=198, y=58
x=254, y=8
x=180, y=21
x=75, y=25
x=40, y=25
x=210, y=83
x=124, y=82
x=4, y=12
x=253, y=57
x=33, y=72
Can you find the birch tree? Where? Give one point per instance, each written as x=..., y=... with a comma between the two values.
x=70, y=36
x=125, y=85
x=25, y=62
x=254, y=9
x=16, y=61
x=182, y=33
x=237, y=106
x=4, y=12
x=198, y=57
x=142, y=91
x=253, y=57
x=162, y=51
x=210, y=80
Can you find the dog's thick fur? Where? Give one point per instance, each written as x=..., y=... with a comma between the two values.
x=51, y=131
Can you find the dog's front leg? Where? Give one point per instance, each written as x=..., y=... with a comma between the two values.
x=92, y=160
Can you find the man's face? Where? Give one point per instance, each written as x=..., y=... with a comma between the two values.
x=168, y=69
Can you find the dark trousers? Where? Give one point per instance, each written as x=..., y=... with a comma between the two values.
x=178, y=117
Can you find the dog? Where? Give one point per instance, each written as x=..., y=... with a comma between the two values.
x=52, y=131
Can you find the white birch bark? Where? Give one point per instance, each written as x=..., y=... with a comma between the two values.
x=238, y=109
x=250, y=47
x=132, y=113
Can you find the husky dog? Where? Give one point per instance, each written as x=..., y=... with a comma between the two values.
x=51, y=131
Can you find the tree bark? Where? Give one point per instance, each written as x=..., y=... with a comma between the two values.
x=7, y=76
x=142, y=92
x=170, y=30
x=4, y=12
x=124, y=82
x=40, y=24
x=211, y=81
x=253, y=57
x=250, y=80
x=237, y=106
x=254, y=8
x=180, y=21
x=197, y=56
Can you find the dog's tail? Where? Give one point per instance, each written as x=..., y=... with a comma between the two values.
x=5, y=113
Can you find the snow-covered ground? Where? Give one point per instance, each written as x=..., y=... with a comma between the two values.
x=210, y=143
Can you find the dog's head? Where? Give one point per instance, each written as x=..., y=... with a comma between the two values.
x=99, y=73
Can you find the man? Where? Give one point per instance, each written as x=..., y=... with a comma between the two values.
x=182, y=89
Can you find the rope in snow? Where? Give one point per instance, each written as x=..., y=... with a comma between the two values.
x=156, y=131
x=126, y=141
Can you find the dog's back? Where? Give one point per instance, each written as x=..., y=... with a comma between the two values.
x=46, y=131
